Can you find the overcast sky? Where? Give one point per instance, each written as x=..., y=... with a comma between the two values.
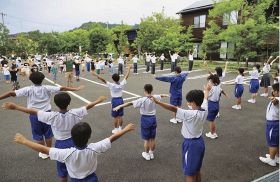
x=61, y=15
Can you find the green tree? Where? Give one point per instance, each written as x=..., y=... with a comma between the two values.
x=119, y=38
x=3, y=39
x=99, y=38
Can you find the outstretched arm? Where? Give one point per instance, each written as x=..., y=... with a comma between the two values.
x=165, y=105
x=13, y=106
x=269, y=59
x=277, y=58
x=72, y=88
x=127, y=73
x=164, y=78
x=226, y=65
x=8, y=94
x=19, y=138
x=99, y=77
x=99, y=100
x=117, y=135
x=122, y=106
x=164, y=95
x=207, y=68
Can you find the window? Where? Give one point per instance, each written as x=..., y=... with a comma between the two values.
x=196, y=47
x=199, y=21
x=226, y=50
x=223, y=50
x=231, y=18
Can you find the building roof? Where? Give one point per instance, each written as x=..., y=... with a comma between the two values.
x=198, y=5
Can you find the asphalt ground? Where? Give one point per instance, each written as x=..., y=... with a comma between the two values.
x=233, y=157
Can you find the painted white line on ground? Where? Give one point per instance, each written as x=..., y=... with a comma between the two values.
x=135, y=95
x=72, y=93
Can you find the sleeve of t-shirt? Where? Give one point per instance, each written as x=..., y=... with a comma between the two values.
x=80, y=111
x=236, y=79
x=45, y=117
x=183, y=114
x=109, y=84
x=204, y=105
x=137, y=103
x=59, y=154
x=22, y=92
x=165, y=78
x=158, y=97
x=223, y=74
x=52, y=89
x=101, y=146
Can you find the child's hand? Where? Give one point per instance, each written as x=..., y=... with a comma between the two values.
x=19, y=138
x=81, y=87
x=116, y=108
x=205, y=63
x=207, y=87
x=270, y=57
x=9, y=105
x=129, y=127
x=165, y=95
x=102, y=98
x=227, y=62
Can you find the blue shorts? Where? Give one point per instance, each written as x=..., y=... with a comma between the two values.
x=238, y=91
x=254, y=86
x=192, y=155
x=213, y=110
x=272, y=133
x=148, y=127
x=61, y=167
x=7, y=77
x=176, y=101
x=39, y=129
x=77, y=72
x=89, y=178
x=116, y=101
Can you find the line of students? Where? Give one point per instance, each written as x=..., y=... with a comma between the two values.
x=202, y=107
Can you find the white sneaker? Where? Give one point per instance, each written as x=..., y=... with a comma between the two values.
x=173, y=120
x=146, y=156
x=178, y=120
x=276, y=158
x=238, y=107
x=151, y=154
x=119, y=128
x=43, y=156
x=253, y=101
x=268, y=161
x=212, y=136
x=115, y=130
x=264, y=95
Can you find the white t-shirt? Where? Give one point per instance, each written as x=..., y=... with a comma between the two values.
x=190, y=57
x=162, y=57
x=272, y=112
x=49, y=62
x=173, y=58
x=98, y=65
x=266, y=68
x=116, y=89
x=214, y=93
x=80, y=163
x=148, y=58
x=120, y=61
x=87, y=59
x=62, y=123
x=153, y=59
x=193, y=121
x=38, y=97
x=6, y=71
x=146, y=105
x=254, y=74
x=135, y=59
x=239, y=79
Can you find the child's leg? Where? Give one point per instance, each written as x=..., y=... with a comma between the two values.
x=146, y=146
x=48, y=142
x=198, y=177
x=190, y=178
x=272, y=152
x=238, y=101
x=152, y=144
x=212, y=127
x=116, y=122
x=120, y=121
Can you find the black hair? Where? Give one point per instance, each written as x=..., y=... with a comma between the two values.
x=196, y=96
x=116, y=77
x=177, y=69
x=62, y=100
x=258, y=67
x=148, y=88
x=80, y=134
x=37, y=77
x=275, y=87
x=14, y=66
x=214, y=78
x=241, y=71
x=219, y=71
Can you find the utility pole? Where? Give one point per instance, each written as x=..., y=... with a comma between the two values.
x=2, y=15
